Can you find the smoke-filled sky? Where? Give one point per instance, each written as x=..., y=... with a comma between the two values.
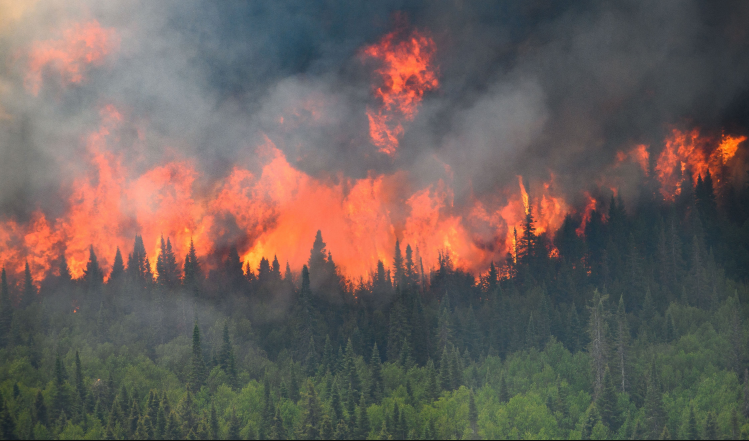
x=530, y=88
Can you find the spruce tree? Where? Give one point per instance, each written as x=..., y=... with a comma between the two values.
x=197, y=374
x=607, y=404
x=599, y=340
x=226, y=356
x=193, y=274
x=6, y=311
x=711, y=427
x=40, y=409
x=7, y=424
x=29, y=290
x=167, y=276
x=622, y=346
x=118, y=268
x=92, y=275
x=311, y=414
x=375, y=367
x=65, y=277
x=692, y=433
x=234, y=427
x=362, y=428
x=398, y=266
x=473, y=416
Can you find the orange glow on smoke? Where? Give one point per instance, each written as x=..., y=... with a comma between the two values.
x=688, y=151
x=406, y=72
x=80, y=45
x=639, y=155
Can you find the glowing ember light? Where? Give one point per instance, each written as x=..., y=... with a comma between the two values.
x=524, y=194
x=407, y=72
x=80, y=45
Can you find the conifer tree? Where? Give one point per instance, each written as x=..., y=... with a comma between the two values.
x=92, y=275
x=65, y=277
x=6, y=311
x=473, y=416
x=226, y=356
x=40, y=409
x=398, y=266
x=375, y=366
x=622, y=345
x=607, y=404
x=197, y=374
x=528, y=241
x=193, y=274
x=79, y=388
x=711, y=427
x=692, y=433
x=654, y=413
x=7, y=424
x=599, y=340
x=234, y=427
x=362, y=419
x=311, y=414
x=118, y=268
x=28, y=296
x=167, y=276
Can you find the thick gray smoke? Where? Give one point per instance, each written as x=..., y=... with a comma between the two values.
x=525, y=88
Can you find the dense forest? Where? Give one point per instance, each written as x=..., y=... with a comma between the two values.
x=627, y=324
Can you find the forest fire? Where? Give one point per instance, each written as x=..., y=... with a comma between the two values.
x=277, y=211
x=407, y=72
x=80, y=45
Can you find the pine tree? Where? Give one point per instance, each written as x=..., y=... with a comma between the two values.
x=311, y=414
x=362, y=428
x=197, y=374
x=711, y=427
x=40, y=409
x=473, y=416
x=622, y=345
x=277, y=430
x=28, y=296
x=607, y=404
x=655, y=415
x=504, y=395
x=375, y=366
x=398, y=266
x=193, y=274
x=65, y=277
x=92, y=275
x=445, y=380
x=226, y=356
x=599, y=345
x=692, y=433
x=234, y=427
x=7, y=424
x=79, y=388
x=118, y=268
x=167, y=276
x=6, y=311
x=528, y=241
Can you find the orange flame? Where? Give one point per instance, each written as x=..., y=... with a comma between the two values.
x=407, y=73
x=524, y=194
x=688, y=151
x=80, y=45
x=587, y=213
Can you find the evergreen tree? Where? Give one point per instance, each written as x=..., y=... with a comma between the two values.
x=7, y=424
x=599, y=340
x=234, y=427
x=6, y=311
x=528, y=241
x=118, y=268
x=193, y=274
x=79, y=387
x=504, y=395
x=362, y=428
x=655, y=415
x=92, y=275
x=167, y=270
x=40, y=409
x=197, y=374
x=607, y=404
x=65, y=277
x=692, y=433
x=28, y=296
x=711, y=427
x=622, y=345
x=226, y=356
x=311, y=414
x=375, y=366
x=398, y=266
x=473, y=416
